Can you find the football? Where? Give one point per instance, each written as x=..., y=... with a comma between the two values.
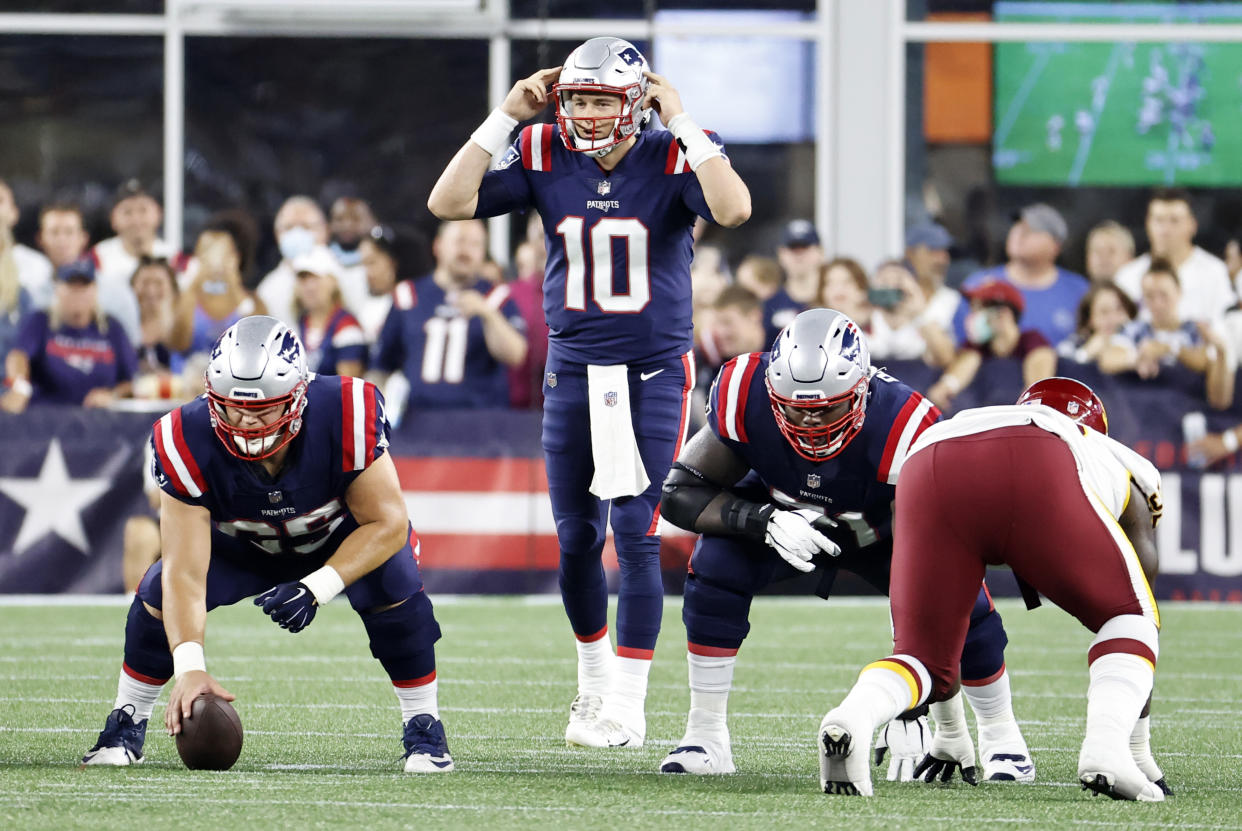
x=211, y=738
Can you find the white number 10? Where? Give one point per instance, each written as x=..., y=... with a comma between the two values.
x=634, y=233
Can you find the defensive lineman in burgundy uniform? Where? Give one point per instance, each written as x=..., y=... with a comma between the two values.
x=796, y=470
x=618, y=205
x=275, y=483
x=1039, y=487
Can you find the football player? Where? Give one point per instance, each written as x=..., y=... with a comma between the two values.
x=796, y=471
x=275, y=483
x=1040, y=487
x=618, y=205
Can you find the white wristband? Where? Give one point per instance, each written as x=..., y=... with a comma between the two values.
x=493, y=134
x=325, y=584
x=1230, y=440
x=22, y=387
x=694, y=142
x=188, y=656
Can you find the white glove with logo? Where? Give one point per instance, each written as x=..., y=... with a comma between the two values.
x=795, y=538
x=906, y=742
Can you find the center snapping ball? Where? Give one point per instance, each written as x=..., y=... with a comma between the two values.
x=211, y=738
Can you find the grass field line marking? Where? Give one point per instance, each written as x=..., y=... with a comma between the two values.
x=763, y=811
x=1019, y=100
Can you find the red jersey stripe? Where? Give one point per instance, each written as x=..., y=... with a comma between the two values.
x=743, y=394
x=166, y=462
x=670, y=164
x=545, y=146
x=372, y=434
x=183, y=450
x=524, y=143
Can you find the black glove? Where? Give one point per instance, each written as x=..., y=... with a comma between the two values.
x=292, y=605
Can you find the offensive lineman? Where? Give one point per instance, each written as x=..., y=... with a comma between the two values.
x=618, y=204
x=796, y=470
x=275, y=483
x=1038, y=486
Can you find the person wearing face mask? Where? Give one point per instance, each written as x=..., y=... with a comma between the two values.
x=350, y=220
x=217, y=297
x=300, y=226
x=992, y=331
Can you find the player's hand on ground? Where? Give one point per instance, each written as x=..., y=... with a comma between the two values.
x=949, y=752
x=663, y=98
x=292, y=605
x=795, y=538
x=906, y=742
x=190, y=686
x=530, y=95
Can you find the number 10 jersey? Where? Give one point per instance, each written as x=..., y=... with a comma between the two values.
x=617, y=284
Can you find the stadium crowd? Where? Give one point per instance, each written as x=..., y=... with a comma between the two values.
x=128, y=317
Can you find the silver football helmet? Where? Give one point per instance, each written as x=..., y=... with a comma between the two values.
x=257, y=364
x=602, y=65
x=817, y=381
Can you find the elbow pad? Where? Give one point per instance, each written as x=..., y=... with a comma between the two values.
x=684, y=496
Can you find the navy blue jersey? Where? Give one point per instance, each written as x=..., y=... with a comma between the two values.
x=341, y=339
x=302, y=511
x=617, y=284
x=857, y=486
x=444, y=354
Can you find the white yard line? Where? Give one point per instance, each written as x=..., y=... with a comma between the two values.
x=1019, y=100
x=1084, y=143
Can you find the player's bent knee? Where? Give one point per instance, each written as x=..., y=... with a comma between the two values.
x=402, y=630
x=1133, y=634
x=715, y=615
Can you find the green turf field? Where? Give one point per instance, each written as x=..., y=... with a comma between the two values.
x=1046, y=92
x=322, y=735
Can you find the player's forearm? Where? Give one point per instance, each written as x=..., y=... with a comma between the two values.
x=185, y=607
x=724, y=191
x=369, y=547
x=504, y=343
x=1219, y=383
x=456, y=192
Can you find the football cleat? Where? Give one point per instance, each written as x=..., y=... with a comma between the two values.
x=590, y=726
x=1004, y=754
x=426, y=748
x=1115, y=775
x=843, y=767
x=704, y=750
x=120, y=742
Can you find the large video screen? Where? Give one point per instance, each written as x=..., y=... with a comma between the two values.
x=1118, y=113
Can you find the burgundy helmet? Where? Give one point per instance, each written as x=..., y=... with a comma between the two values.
x=1073, y=398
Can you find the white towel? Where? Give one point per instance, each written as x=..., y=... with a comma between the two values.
x=619, y=469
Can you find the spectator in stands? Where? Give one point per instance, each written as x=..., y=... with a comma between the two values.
x=33, y=270
x=1110, y=245
x=526, y=291
x=1050, y=294
x=382, y=259
x=300, y=226
x=136, y=218
x=452, y=332
x=900, y=327
x=844, y=287
x=350, y=220
x=335, y=344
x=72, y=353
x=217, y=297
x=760, y=275
x=1233, y=262
x=1171, y=227
x=15, y=302
x=1163, y=338
x=800, y=256
x=63, y=239
x=159, y=365
x=709, y=274
x=1104, y=311
x=993, y=331
x=735, y=327
x=927, y=255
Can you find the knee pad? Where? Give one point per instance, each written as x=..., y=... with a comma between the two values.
x=983, y=653
x=715, y=615
x=146, y=644
x=403, y=638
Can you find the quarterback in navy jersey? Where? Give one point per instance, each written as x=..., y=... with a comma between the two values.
x=276, y=483
x=796, y=471
x=618, y=204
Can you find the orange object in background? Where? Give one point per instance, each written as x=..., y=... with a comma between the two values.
x=957, y=87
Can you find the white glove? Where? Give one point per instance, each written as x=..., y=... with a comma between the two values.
x=795, y=538
x=951, y=746
x=907, y=742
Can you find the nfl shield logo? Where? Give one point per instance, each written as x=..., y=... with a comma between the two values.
x=1071, y=407
x=610, y=399
x=604, y=187
x=275, y=497
x=812, y=480
x=552, y=380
